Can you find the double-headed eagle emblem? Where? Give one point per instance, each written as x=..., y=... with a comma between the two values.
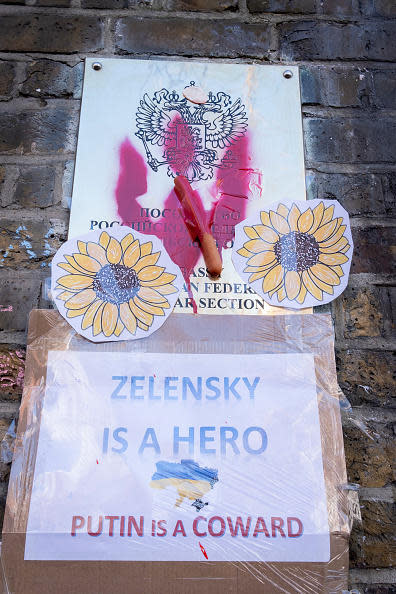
x=190, y=139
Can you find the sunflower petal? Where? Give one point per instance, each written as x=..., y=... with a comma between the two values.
x=336, y=247
x=75, y=281
x=325, y=231
x=150, y=273
x=258, y=268
x=251, y=232
x=282, y=210
x=109, y=317
x=148, y=307
x=98, y=252
x=324, y=286
x=256, y=275
x=104, y=239
x=87, y=263
x=293, y=217
x=90, y=314
x=74, y=313
x=273, y=278
x=65, y=295
x=71, y=261
x=113, y=253
x=279, y=223
x=164, y=279
x=334, y=238
x=243, y=252
x=318, y=215
x=262, y=259
x=141, y=315
x=302, y=294
x=151, y=295
x=333, y=259
x=126, y=241
x=81, y=299
x=311, y=287
x=97, y=324
x=325, y=274
x=338, y=270
x=82, y=246
x=328, y=215
x=305, y=221
x=256, y=246
x=68, y=267
x=292, y=284
x=166, y=289
x=128, y=318
x=149, y=260
x=119, y=328
x=132, y=254
x=345, y=248
x=142, y=326
x=146, y=248
x=265, y=218
x=281, y=294
x=268, y=234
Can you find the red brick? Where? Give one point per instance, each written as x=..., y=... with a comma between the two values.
x=374, y=249
x=318, y=40
x=38, y=131
x=136, y=35
x=30, y=32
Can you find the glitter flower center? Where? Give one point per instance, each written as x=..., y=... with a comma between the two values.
x=116, y=283
x=297, y=251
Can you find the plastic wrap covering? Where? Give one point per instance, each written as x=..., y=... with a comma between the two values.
x=206, y=458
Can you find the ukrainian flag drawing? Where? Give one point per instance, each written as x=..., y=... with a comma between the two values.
x=190, y=479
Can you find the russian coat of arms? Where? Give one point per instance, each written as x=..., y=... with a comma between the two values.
x=190, y=139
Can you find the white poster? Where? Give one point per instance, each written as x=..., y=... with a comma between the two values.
x=176, y=457
x=240, y=150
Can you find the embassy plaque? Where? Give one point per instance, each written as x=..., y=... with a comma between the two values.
x=241, y=150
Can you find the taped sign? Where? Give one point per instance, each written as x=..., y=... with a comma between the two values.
x=181, y=436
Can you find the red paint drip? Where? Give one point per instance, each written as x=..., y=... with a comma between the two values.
x=203, y=551
x=97, y=462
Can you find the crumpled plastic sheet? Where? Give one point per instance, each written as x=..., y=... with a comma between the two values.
x=7, y=444
x=181, y=334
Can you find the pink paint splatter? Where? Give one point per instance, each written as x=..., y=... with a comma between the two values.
x=6, y=308
x=230, y=193
x=170, y=227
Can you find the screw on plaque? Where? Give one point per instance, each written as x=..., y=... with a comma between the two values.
x=97, y=66
x=288, y=74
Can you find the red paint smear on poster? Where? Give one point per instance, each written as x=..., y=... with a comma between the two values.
x=230, y=194
x=203, y=551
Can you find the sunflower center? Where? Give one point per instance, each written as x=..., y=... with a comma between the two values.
x=297, y=251
x=116, y=283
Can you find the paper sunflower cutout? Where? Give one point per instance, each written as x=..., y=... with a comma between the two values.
x=296, y=254
x=114, y=287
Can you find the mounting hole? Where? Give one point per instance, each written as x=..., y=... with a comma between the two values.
x=288, y=74
x=97, y=66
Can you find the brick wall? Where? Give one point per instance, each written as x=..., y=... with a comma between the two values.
x=345, y=49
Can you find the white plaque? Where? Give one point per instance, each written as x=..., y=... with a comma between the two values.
x=241, y=150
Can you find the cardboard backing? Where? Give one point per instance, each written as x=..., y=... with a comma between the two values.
x=181, y=334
